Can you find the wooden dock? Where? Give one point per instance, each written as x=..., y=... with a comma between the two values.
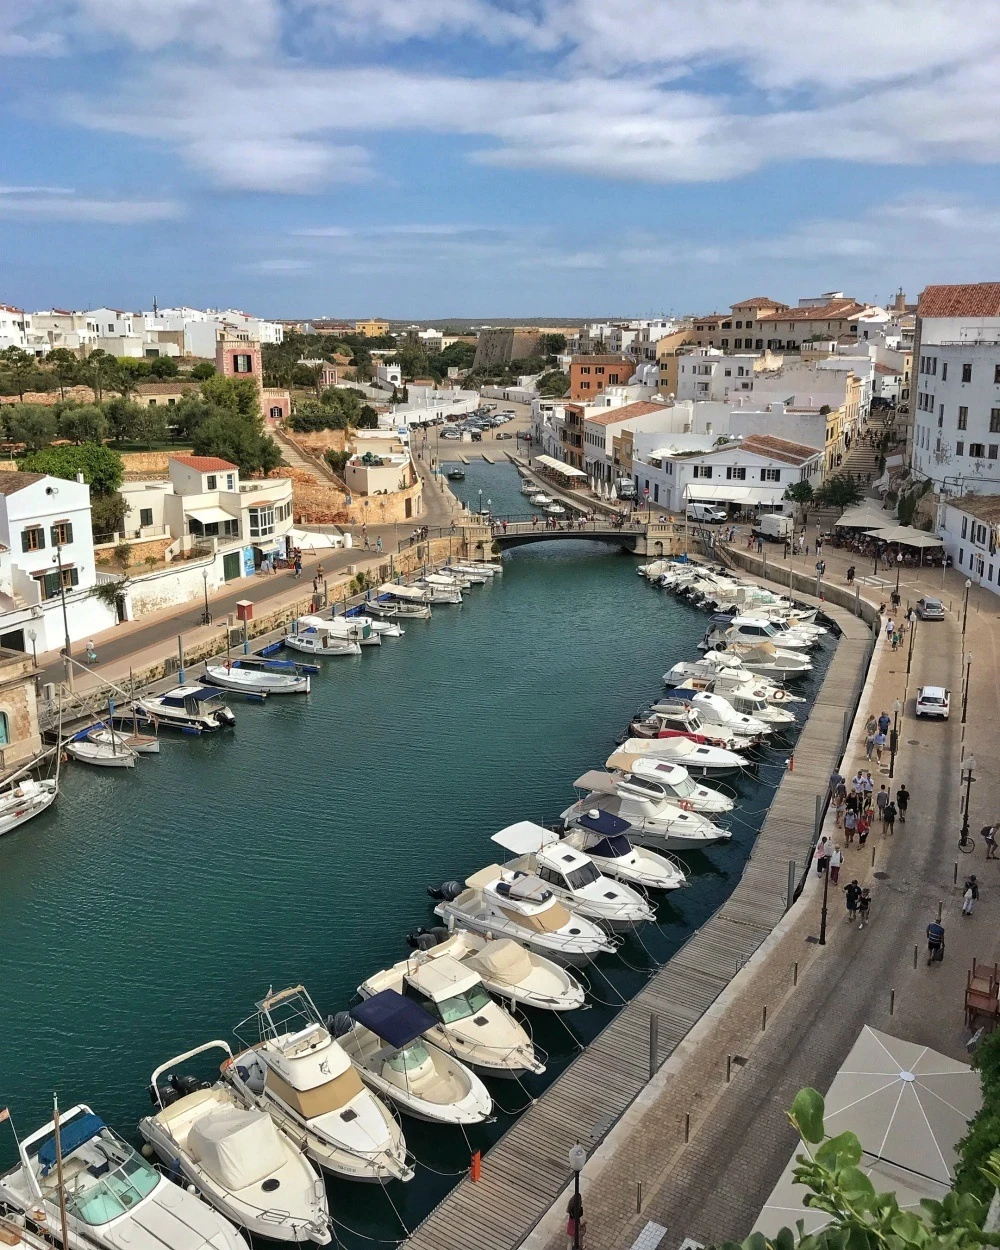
x=526, y=1170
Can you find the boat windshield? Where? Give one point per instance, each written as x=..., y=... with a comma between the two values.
x=585, y=875
x=113, y=1179
x=409, y=1058
x=463, y=1005
x=684, y=786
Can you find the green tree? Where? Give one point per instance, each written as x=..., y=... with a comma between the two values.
x=34, y=425
x=65, y=365
x=413, y=361
x=150, y=425
x=82, y=423
x=799, y=492
x=202, y=371
x=107, y=515
x=192, y=410
x=239, y=439
x=99, y=370
x=102, y=468
x=163, y=367
x=553, y=344
x=19, y=365
x=367, y=419
x=238, y=395
x=838, y=491
x=553, y=384
x=122, y=417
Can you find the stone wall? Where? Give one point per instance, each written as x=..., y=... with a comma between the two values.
x=82, y=394
x=104, y=552
x=17, y=701
x=318, y=441
x=139, y=465
x=321, y=503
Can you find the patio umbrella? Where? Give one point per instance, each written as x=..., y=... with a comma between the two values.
x=907, y=535
x=863, y=516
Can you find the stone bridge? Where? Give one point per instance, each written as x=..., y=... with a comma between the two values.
x=653, y=539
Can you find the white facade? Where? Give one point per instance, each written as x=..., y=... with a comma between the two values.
x=970, y=544
x=76, y=331
x=956, y=413
x=112, y=323
x=547, y=417
x=686, y=470
x=12, y=327
x=200, y=327
x=709, y=374
x=389, y=373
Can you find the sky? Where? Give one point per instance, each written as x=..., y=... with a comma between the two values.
x=514, y=158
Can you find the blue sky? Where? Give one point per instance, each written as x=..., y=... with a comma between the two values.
x=420, y=158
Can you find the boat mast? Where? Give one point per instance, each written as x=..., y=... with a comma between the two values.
x=59, y=1173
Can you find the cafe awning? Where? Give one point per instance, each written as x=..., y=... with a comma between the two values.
x=863, y=517
x=211, y=516
x=695, y=492
x=907, y=536
x=557, y=466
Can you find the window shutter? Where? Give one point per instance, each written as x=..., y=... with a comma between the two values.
x=74, y=577
x=54, y=535
x=25, y=542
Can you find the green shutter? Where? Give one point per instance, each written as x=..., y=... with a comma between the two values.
x=69, y=531
x=25, y=544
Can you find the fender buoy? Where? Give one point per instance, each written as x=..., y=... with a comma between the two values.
x=778, y=695
x=687, y=805
x=720, y=646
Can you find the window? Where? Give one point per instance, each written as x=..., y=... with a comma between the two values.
x=242, y=363
x=995, y=420
x=726, y=325
x=585, y=368
x=759, y=344
x=702, y=470
x=965, y=527
x=171, y=403
x=261, y=521
x=584, y=386
x=598, y=368
x=963, y=418
x=996, y=374
x=656, y=492
x=992, y=453
x=230, y=481
x=977, y=450
x=729, y=373
x=980, y=534
x=736, y=473
x=967, y=373
x=770, y=475
x=960, y=448
x=50, y=582
x=32, y=538
x=4, y=729
x=725, y=342
x=231, y=529
x=145, y=516
x=944, y=372
x=62, y=533
x=210, y=482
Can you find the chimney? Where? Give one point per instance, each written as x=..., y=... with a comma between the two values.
x=79, y=477
x=708, y=427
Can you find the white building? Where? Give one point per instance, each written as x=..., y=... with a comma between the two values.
x=752, y=472
x=112, y=323
x=710, y=374
x=12, y=327
x=601, y=427
x=970, y=528
x=200, y=327
x=389, y=373
x=45, y=527
x=60, y=327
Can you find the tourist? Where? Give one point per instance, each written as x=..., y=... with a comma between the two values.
x=970, y=895
x=864, y=906
x=852, y=894
x=836, y=859
x=850, y=575
x=902, y=802
x=368, y=543
x=871, y=724
x=889, y=818
x=935, y=942
x=836, y=781
x=881, y=799
x=878, y=742
x=839, y=806
x=869, y=744
x=890, y=629
x=850, y=825
x=864, y=824
x=91, y=653
x=298, y=566
x=319, y=571
x=883, y=722
x=869, y=786
x=822, y=855
x=315, y=585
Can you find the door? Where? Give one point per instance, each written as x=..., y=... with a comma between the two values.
x=231, y=565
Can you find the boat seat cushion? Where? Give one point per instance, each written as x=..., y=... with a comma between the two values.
x=503, y=960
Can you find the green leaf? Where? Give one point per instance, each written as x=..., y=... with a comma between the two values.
x=841, y=1151
x=785, y=1239
x=756, y=1241
x=807, y=1115
x=909, y=1227
x=856, y=1187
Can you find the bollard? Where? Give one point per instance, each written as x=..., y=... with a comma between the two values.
x=654, y=1042
x=476, y=1165
x=791, y=763
x=729, y=1068
x=873, y=854
x=638, y=1197
x=955, y=878
x=795, y=974
x=915, y=956
x=940, y=906
x=892, y=1002
x=763, y=1019
x=687, y=1127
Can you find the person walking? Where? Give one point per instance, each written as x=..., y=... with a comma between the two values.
x=836, y=859
x=883, y=722
x=889, y=818
x=850, y=826
x=990, y=838
x=878, y=742
x=298, y=567
x=864, y=906
x=822, y=855
x=852, y=893
x=890, y=629
x=850, y=575
x=869, y=787
x=902, y=802
x=969, y=897
x=869, y=744
x=864, y=824
x=935, y=943
x=378, y=544
x=881, y=799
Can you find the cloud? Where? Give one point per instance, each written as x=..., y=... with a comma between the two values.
x=64, y=204
x=276, y=266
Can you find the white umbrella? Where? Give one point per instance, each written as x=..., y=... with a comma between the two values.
x=614, y=493
x=906, y=535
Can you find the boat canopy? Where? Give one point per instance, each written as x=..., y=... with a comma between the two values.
x=201, y=694
x=73, y=1135
x=614, y=847
x=393, y=1018
x=239, y=1148
x=524, y=837
x=595, y=780
x=605, y=823
x=413, y=593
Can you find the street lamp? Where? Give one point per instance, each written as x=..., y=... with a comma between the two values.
x=480, y=503
x=965, y=685
x=968, y=768
x=826, y=891
x=577, y=1160
x=34, y=650
x=965, y=609
x=206, y=619
x=52, y=491
x=897, y=707
x=899, y=566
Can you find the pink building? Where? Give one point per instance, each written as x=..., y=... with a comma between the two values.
x=238, y=356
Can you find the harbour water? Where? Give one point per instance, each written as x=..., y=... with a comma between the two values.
x=149, y=910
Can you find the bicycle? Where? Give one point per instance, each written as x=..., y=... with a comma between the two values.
x=966, y=843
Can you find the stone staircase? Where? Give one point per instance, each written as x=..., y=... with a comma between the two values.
x=861, y=461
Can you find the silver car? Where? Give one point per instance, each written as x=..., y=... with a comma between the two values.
x=930, y=609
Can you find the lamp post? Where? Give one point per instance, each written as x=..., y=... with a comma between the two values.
x=968, y=768
x=52, y=491
x=34, y=649
x=480, y=503
x=897, y=707
x=206, y=619
x=965, y=609
x=965, y=685
x=899, y=566
x=577, y=1160
x=909, y=654
x=826, y=891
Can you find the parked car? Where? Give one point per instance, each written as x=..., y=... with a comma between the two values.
x=504, y=434
x=451, y=432
x=707, y=513
x=933, y=701
x=930, y=609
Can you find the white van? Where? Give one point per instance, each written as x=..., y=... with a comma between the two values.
x=706, y=512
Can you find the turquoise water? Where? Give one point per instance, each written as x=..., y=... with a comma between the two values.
x=149, y=910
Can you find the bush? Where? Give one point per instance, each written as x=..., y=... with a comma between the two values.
x=101, y=467
x=799, y=492
x=31, y=424
x=983, y=1137
x=202, y=371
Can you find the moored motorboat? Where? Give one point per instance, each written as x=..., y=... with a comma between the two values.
x=466, y=1021
x=677, y=784
x=603, y=837
x=112, y=754
x=719, y=716
x=314, y=636
x=768, y=704
x=255, y=681
x=767, y=659
x=384, y=628
x=24, y=798
x=387, y=1040
x=190, y=708
x=113, y=1198
x=442, y=590
x=407, y=600
x=700, y=759
x=237, y=1158
x=653, y=820
x=541, y=500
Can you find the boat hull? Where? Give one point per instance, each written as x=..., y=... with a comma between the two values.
x=33, y=806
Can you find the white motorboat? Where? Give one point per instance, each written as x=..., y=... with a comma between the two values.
x=752, y=632
x=112, y=754
x=386, y=1040
x=501, y=903
x=24, y=798
x=715, y=664
x=676, y=718
x=698, y=758
x=654, y=570
x=255, y=681
x=304, y=1080
x=541, y=500
x=488, y=571
x=468, y=577
x=443, y=590
x=768, y=659
x=717, y=714
x=405, y=600
x=603, y=838
x=239, y=1161
x=354, y=629
x=528, y=487
x=555, y=509
x=465, y=1022
x=746, y=696
x=674, y=779
x=383, y=628
x=652, y=820
x=315, y=636
x=190, y=708
x=508, y=969
x=114, y=1198
x=573, y=877
x=142, y=744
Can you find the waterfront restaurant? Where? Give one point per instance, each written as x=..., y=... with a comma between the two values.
x=564, y=475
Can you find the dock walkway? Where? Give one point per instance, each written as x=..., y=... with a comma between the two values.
x=527, y=1169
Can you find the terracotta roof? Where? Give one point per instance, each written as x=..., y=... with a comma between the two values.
x=969, y=299
x=204, y=464
x=614, y=415
x=779, y=448
x=166, y=388
x=888, y=369
x=836, y=310
x=11, y=483
x=982, y=507
x=759, y=301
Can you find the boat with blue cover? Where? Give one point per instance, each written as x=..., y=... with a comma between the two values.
x=190, y=708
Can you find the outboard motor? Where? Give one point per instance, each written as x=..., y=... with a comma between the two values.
x=426, y=939
x=339, y=1023
x=163, y=1096
x=187, y=1084
x=446, y=892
